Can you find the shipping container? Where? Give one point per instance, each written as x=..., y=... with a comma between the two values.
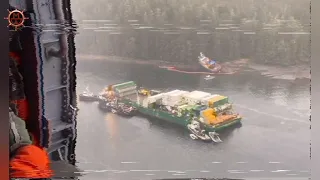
x=166, y=100
x=175, y=99
x=195, y=97
x=172, y=92
x=218, y=101
x=127, y=93
x=124, y=85
x=132, y=88
x=154, y=98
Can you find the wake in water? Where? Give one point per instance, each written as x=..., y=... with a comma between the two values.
x=272, y=115
x=208, y=77
x=288, y=73
x=172, y=68
x=228, y=68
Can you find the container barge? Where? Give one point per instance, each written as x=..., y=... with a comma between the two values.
x=204, y=114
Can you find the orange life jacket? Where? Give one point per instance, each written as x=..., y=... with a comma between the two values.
x=30, y=162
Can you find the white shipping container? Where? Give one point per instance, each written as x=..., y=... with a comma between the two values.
x=175, y=94
x=176, y=98
x=166, y=98
x=178, y=93
x=210, y=97
x=145, y=103
x=154, y=98
x=172, y=92
x=198, y=94
x=195, y=97
x=205, y=100
x=165, y=102
x=173, y=103
x=192, y=101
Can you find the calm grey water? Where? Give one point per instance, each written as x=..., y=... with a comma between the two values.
x=272, y=142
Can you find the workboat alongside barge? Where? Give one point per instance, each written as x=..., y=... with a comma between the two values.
x=88, y=96
x=116, y=107
x=202, y=113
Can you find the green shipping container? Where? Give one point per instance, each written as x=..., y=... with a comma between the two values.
x=221, y=102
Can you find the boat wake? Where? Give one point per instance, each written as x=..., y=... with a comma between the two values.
x=174, y=69
x=285, y=73
x=272, y=115
x=227, y=68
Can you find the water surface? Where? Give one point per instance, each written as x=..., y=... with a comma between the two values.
x=272, y=142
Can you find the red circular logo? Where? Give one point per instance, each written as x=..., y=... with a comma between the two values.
x=16, y=19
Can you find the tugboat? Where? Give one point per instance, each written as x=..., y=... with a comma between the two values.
x=88, y=96
x=211, y=65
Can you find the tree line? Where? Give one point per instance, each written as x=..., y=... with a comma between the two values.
x=266, y=31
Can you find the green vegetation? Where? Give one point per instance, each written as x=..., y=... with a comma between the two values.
x=267, y=18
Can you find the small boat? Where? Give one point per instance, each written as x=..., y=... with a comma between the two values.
x=215, y=137
x=107, y=105
x=208, y=77
x=88, y=96
x=197, y=132
x=126, y=110
x=117, y=108
x=211, y=65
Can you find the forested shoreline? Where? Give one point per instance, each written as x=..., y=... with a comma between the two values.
x=266, y=31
